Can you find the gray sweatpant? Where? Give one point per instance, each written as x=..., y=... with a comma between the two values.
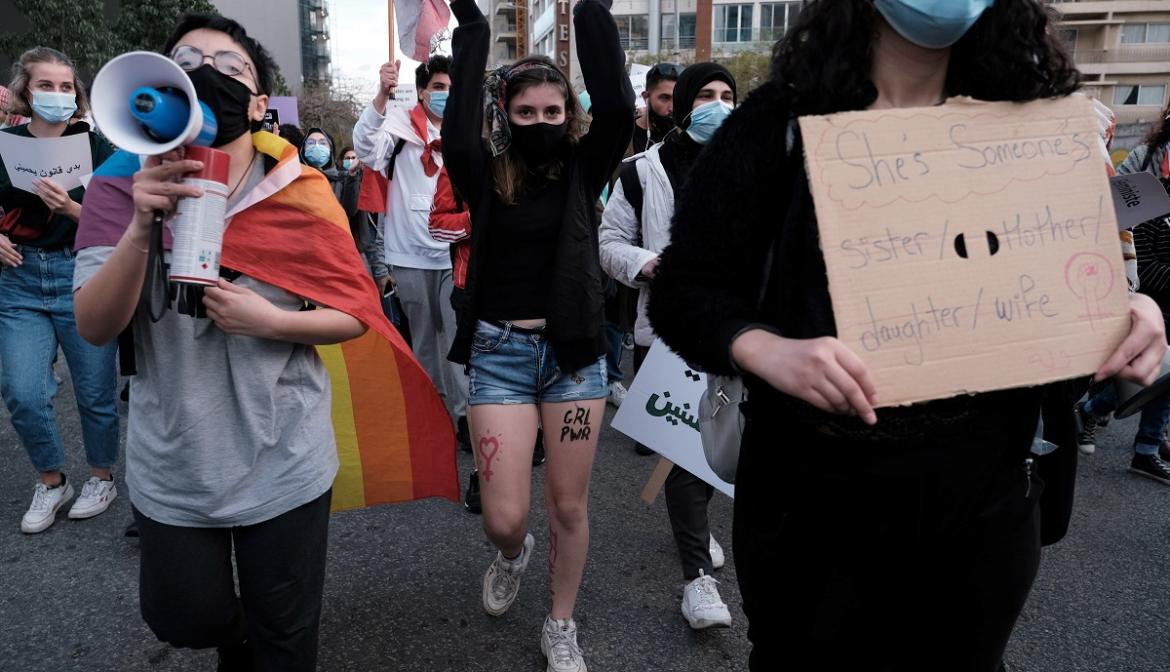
x=426, y=300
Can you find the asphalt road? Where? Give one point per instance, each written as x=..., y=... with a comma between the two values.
x=403, y=584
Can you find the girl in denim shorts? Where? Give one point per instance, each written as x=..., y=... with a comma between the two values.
x=531, y=324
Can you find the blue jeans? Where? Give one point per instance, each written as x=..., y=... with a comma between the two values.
x=511, y=365
x=1155, y=415
x=36, y=315
x=613, y=352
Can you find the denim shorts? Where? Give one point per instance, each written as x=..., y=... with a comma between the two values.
x=510, y=365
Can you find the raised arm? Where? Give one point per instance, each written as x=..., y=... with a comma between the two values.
x=371, y=143
x=603, y=66
x=464, y=154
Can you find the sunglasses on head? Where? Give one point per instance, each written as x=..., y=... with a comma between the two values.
x=663, y=71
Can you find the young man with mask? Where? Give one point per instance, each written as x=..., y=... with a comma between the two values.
x=654, y=121
x=230, y=451
x=404, y=145
x=632, y=236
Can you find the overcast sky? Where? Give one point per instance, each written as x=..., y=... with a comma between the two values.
x=359, y=35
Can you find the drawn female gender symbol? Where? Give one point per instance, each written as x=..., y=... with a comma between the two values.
x=488, y=457
x=1090, y=277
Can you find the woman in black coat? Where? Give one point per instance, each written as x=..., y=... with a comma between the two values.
x=901, y=540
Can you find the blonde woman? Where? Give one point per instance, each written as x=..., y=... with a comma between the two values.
x=36, y=301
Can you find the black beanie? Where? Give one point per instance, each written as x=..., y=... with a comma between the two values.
x=691, y=82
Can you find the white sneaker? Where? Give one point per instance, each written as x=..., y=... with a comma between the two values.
x=96, y=497
x=717, y=559
x=501, y=583
x=558, y=643
x=617, y=393
x=702, y=606
x=43, y=511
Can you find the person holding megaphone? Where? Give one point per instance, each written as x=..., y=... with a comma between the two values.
x=231, y=448
x=37, y=235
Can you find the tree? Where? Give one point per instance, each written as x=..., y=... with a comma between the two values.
x=146, y=24
x=76, y=27
x=81, y=29
x=749, y=68
x=334, y=109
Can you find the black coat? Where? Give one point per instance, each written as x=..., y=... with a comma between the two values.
x=576, y=316
x=748, y=193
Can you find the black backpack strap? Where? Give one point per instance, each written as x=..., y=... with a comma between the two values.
x=1149, y=160
x=632, y=187
x=126, y=363
x=394, y=158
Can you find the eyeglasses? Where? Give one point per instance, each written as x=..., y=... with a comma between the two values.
x=190, y=58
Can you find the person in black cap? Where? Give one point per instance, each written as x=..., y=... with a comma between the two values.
x=634, y=230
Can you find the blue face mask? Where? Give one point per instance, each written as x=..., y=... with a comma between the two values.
x=347, y=164
x=317, y=155
x=438, y=103
x=55, y=108
x=706, y=119
x=934, y=24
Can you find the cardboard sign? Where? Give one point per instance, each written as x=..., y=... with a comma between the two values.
x=1137, y=198
x=661, y=411
x=64, y=160
x=969, y=246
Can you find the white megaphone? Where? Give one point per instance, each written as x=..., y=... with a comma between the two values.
x=145, y=103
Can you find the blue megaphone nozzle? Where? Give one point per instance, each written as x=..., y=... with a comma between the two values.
x=164, y=114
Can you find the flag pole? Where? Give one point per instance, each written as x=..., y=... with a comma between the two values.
x=390, y=21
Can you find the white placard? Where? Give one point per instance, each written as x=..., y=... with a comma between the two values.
x=63, y=160
x=1137, y=198
x=638, y=81
x=661, y=411
x=405, y=95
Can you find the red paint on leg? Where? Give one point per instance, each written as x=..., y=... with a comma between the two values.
x=487, y=457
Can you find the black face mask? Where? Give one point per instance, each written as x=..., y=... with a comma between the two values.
x=537, y=143
x=660, y=125
x=227, y=97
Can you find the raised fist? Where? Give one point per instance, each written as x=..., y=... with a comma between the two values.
x=388, y=77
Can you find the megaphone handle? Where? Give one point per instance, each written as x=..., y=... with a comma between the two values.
x=154, y=288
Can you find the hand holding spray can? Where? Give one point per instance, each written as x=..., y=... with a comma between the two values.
x=198, y=224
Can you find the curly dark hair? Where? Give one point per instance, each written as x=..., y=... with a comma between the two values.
x=823, y=63
x=435, y=65
x=1159, y=134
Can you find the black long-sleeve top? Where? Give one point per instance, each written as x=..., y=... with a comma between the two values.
x=1151, y=240
x=575, y=310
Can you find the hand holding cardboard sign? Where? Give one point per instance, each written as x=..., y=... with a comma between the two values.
x=1139, y=357
x=821, y=371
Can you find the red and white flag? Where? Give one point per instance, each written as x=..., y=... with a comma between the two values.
x=419, y=21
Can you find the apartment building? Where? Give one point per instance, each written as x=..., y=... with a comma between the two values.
x=1123, y=49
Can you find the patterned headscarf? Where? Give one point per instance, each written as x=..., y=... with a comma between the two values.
x=495, y=90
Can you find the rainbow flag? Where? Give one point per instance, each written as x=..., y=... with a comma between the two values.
x=395, y=441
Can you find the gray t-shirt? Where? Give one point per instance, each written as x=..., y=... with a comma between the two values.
x=224, y=430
